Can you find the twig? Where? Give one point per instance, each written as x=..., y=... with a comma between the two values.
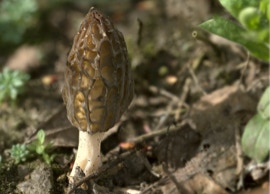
x=239, y=158
x=163, y=92
x=196, y=80
x=199, y=35
x=147, y=164
x=244, y=69
x=160, y=132
x=183, y=98
x=185, y=90
x=257, y=82
x=179, y=188
x=175, y=100
x=160, y=182
x=165, y=117
x=139, y=40
x=100, y=171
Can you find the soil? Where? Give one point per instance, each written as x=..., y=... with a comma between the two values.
x=181, y=133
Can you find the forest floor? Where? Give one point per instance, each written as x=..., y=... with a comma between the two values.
x=194, y=94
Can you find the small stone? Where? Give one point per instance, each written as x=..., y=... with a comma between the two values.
x=40, y=181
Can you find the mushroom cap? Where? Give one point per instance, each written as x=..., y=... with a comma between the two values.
x=98, y=85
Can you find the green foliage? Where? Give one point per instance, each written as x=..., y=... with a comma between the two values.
x=16, y=16
x=264, y=105
x=254, y=17
x=12, y=83
x=19, y=153
x=255, y=140
x=41, y=148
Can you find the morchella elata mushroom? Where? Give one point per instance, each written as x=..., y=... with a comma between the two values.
x=98, y=86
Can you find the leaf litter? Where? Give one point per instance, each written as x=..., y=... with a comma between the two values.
x=182, y=131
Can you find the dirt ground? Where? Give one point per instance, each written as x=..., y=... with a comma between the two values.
x=194, y=93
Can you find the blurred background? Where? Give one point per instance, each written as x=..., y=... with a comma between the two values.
x=174, y=64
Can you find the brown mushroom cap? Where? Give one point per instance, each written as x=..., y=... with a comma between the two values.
x=98, y=85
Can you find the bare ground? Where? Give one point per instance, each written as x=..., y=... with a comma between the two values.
x=182, y=131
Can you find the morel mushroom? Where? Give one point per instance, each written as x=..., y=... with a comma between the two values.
x=98, y=86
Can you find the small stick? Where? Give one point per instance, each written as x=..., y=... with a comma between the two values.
x=163, y=92
x=183, y=98
x=101, y=170
x=140, y=30
x=160, y=132
x=199, y=35
x=179, y=188
x=246, y=63
x=194, y=77
x=239, y=157
x=257, y=82
x=175, y=100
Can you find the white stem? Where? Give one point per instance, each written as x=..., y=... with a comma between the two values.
x=88, y=155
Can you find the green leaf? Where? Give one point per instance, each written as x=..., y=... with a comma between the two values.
x=16, y=17
x=41, y=136
x=17, y=82
x=235, y=6
x=264, y=104
x=40, y=149
x=6, y=74
x=233, y=32
x=12, y=83
x=13, y=93
x=255, y=140
x=19, y=153
x=2, y=95
x=250, y=18
x=265, y=8
x=48, y=159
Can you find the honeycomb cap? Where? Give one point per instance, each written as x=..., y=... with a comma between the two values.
x=98, y=84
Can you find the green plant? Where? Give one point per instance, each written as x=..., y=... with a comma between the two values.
x=19, y=153
x=253, y=30
x=12, y=83
x=39, y=147
x=16, y=16
x=255, y=140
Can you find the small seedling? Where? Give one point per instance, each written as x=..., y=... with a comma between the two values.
x=19, y=153
x=12, y=83
x=39, y=147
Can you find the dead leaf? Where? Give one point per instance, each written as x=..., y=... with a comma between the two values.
x=178, y=147
x=196, y=184
x=213, y=165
